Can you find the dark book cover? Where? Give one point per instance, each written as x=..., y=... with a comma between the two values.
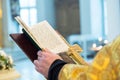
x=26, y=44
x=30, y=48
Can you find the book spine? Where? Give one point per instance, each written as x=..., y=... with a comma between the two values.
x=31, y=40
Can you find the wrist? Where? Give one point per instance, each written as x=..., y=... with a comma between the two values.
x=55, y=69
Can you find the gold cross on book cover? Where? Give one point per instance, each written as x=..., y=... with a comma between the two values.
x=42, y=35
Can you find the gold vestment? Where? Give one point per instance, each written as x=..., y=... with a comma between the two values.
x=105, y=66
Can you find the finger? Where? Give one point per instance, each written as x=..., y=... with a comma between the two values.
x=39, y=53
x=39, y=58
x=36, y=63
x=39, y=69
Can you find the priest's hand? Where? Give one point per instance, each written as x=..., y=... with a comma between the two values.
x=44, y=61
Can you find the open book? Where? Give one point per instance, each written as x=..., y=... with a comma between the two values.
x=45, y=36
x=38, y=37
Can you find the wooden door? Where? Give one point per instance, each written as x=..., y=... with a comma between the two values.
x=67, y=17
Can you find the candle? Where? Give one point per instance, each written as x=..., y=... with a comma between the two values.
x=100, y=39
x=105, y=41
x=94, y=45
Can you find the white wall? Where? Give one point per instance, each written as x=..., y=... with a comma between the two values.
x=8, y=24
x=45, y=9
x=91, y=17
x=96, y=18
x=113, y=18
x=85, y=24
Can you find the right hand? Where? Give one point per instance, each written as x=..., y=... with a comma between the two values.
x=44, y=61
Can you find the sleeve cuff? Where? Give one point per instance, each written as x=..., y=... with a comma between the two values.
x=55, y=69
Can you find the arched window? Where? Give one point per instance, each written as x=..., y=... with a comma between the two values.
x=28, y=11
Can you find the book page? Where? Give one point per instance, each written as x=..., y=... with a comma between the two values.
x=45, y=36
x=26, y=28
x=48, y=38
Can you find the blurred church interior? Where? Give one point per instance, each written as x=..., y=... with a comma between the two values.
x=88, y=23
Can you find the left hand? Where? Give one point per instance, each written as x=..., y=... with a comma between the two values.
x=44, y=61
